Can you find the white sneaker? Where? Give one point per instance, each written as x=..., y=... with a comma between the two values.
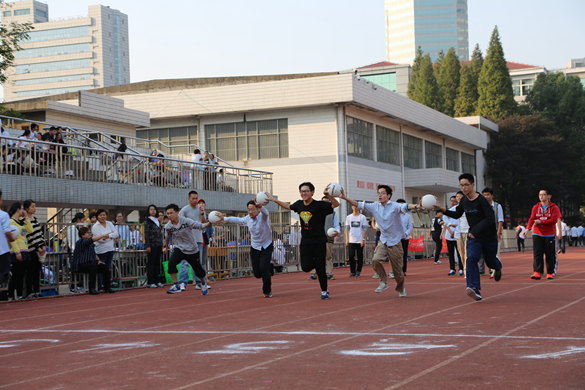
x=152, y=286
x=375, y=276
x=182, y=286
x=159, y=284
x=382, y=287
x=391, y=275
x=197, y=287
x=402, y=294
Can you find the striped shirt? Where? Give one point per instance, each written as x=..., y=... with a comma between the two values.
x=84, y=253
x=35, y=239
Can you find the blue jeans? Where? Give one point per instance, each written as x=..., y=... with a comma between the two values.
x=475, y=248
x=184, y=270
x=107, y=259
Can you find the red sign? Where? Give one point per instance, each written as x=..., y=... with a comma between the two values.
x=416, y=244
x=360, y=184
x=370, y=186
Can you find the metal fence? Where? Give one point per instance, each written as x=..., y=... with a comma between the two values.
x=62, y=161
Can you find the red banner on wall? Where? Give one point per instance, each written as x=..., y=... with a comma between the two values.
x=416, y=244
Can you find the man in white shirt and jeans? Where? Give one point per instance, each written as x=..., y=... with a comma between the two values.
x=488, y=193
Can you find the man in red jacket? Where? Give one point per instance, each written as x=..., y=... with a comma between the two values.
x=545, y=216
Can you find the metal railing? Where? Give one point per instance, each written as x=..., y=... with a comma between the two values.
x=87, y=164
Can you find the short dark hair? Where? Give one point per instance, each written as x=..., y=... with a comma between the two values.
x=34, y=126
x=439, y=211
x=148, y=209
x=386, y=188
x=197, y=151
x=78, y=216
x=308, y=184
x=14, y=207
x=460, y=192
x=548, y=192
x=82, y=231
x=52, y=128
x=467, y=176
x=0, y=194
x=27, y=203
x=191, y=193
x=92, y=214
x=488, y=190
x=172, y=206
x=453, y=197
x=400, y=201
x=251, y=202
x=97, y=213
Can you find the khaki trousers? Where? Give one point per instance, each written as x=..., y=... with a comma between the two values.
x=394, y=254
x=328, y=262
x=462, y=247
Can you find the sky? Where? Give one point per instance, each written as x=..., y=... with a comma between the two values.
x=196, y=38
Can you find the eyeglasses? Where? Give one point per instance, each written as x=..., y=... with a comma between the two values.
x=465, y=185
x=382, y=193
x=304, y=191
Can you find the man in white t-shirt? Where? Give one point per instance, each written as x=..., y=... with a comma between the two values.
x=574, y=236
x=488, y=193
x=356, y=230
x=452, y=233
x=520, y=237
x=580, y=234
x=197, y=177
x=462, y=240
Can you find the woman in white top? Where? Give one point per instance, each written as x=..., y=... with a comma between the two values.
x=25, y=138
x=104, y=248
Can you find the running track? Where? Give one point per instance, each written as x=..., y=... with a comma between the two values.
x=525, y=334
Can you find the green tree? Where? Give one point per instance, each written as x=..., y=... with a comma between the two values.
x=466, y=94
x=476, y=64
x=448, y=80
x=496, y=96
x=414, y=72
x=12, y=35
x=425, y=89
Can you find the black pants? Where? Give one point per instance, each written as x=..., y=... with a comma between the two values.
x=153, y=265
x=404, y=254
x=33, y=274
x=16, y=283
x=439, y=247
x=544, y=247
x=520, y=242
x=93, y=269
x=262, y=267
x=452, y=248
x=313, y=256
x=4, y=267
x=192, y=259
x=353, y=249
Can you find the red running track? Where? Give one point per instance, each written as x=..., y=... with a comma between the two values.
x=525, y=334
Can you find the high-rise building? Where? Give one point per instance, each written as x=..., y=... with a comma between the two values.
x=434, y=25
x=67, y=54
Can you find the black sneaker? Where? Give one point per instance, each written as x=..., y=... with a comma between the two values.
x=473, y=292
x=497, y=275
x=351, y=275
x=357, y=274
x=451, y=273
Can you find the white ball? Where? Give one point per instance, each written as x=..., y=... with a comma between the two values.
x=334, y=189
x=15, y=231
x=331, y=231
x=213, y=217
x=261, y=198
x=428, y=202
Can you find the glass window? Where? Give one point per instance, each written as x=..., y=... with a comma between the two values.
x=468, y=163
x=52, y=66
x=388, y=142
x=53, y=51
x=184, y=135
x=359, y=138
x=248, y=140
x=7, y=13
x=433, y=155
x=53, y=91
x=25, y=11
x=387, y=80
x=56, y=79
x=117, y=50
x=58, y=33
x=413, y=157
x=452, y=157
x=40, y=13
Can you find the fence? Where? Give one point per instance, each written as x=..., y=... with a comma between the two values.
x=62, y=161
x=228, y=254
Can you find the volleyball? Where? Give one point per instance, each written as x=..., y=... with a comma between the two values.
x=213, y=217
x=15, y=231
x=261, y=198
x=334, y=189
x=331, y=231
x=428, y=202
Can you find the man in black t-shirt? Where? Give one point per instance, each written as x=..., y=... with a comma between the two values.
x=313, y=237
x=435, y=234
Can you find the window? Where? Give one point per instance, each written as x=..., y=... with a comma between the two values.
x=359, y=138
x=522, y=87
x=248, y=140
x=174, y=136
x=52, y=66
x=58, y=33
x=433, y=155
x=452, y=159
x=40, y=13
x=117, y=50
x=53, y=51
x=468, y=163
x=387, y=80
x=388, y=142
x=413, y=157
x=7, y=13
x=25, y=11
x=53, y=91
x=56, y=79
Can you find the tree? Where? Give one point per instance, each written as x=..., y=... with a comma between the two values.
x=448, y=77
x=466, y=94
x=425, y=89
x=496, y=96
x=413, y=72
x=12, y=35
x=524, y=157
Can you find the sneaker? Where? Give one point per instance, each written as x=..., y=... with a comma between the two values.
x=311, y=278
x=159, y=284
x=331, y=277
x=351, y=275
x=451, y=273
x=269, y=295
x=152, y=286
x=536, y=276
x=174, y=289
x=204, y=289
x=473, y=293
x=391, y=275
x=375, y=276
x=550, y=276
x=197, y=287
x=491, y=276
x=382, y=287
x=182, y=286
x=438, y=262
x=357, y=274
x=324, y=294
x=497, y=275
x=460, y=272
x=402, y=294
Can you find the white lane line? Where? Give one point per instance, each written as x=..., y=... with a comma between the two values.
x=115, y=347
x=556, y=355
x=252, y=347
x=14, y=343
x=392, y=349
x=287, y=333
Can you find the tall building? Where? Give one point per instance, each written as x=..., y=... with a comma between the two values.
x=434, y=25
x=68, y=54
